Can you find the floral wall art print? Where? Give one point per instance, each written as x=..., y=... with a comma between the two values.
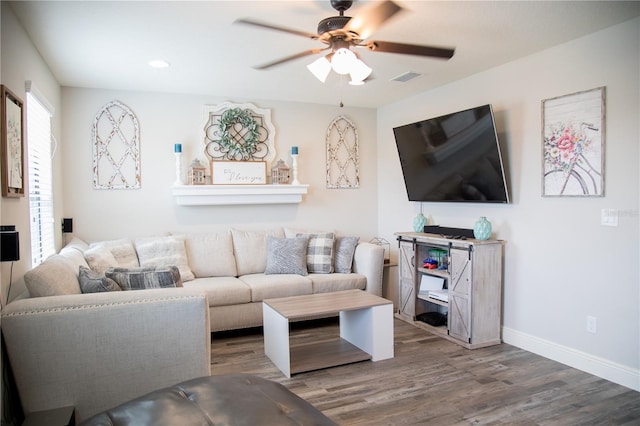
x=573, y=144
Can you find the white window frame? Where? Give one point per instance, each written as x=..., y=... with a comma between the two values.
x=40, y=166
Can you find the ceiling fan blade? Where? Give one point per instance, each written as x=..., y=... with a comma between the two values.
x=290, y=58
x=409, y=49
x=371, y=18
x=275, y=27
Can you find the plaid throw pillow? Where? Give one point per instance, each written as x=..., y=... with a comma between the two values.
x=320, y=253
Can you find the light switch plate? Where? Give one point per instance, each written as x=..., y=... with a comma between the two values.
x=609, y=217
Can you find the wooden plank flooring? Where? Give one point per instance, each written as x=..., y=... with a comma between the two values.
x=433, y=381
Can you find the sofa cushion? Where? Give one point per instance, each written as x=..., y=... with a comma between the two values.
x=74, y=257
x=320, y=253
x=345, y=247
x=325, y=283
x=141, y=278
x=52, y=277
x=286, y=255
x=272, y=286
x=116, y=253
x=250, y=249
x=77, y=244
x=210, y=254
x=92, y=282
x=221, y=291
x=164, y=251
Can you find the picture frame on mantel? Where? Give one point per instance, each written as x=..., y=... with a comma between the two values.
x=573, y=144
x=12, y=141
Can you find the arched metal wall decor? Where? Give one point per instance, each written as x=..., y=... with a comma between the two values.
x=116, y=148
x=238, y=132
x=343, y=164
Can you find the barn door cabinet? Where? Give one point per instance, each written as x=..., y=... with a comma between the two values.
x=471, y=275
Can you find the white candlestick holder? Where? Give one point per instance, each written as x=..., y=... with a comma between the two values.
x=294, y=167
x=179, y=180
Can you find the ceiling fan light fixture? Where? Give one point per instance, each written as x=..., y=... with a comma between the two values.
x=320, y=68
x=359, y=72
x=343, y=61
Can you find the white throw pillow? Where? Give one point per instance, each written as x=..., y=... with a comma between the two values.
x=53, y=277
x=116, y=253
x=164, y=251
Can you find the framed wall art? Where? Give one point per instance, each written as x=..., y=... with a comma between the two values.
x=238, y=132
x=343, y=162
x=116, y=148
x=12, y=140
x=573, y=144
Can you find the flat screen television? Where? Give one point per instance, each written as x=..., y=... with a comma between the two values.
x=453, y=158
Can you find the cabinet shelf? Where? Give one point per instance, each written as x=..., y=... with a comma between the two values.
x=432, y=300
x=436, y=272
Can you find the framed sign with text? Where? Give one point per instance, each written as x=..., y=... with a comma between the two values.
x=238, y=172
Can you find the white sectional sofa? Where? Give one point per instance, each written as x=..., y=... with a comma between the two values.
x=96, y=350
x=235, y=268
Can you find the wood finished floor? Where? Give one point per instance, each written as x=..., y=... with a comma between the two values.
x=436, y=382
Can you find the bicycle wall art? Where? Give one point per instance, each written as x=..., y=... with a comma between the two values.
x=573, y=144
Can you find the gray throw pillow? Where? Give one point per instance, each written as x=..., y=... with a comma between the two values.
x=286, y=255
x=320, y=253
x=145, y=277
x=93, y=282
x=345, y=249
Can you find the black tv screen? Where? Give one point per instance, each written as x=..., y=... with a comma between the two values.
x=453, y=158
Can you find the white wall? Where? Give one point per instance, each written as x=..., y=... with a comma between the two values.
x=560, y=265
x=166, y=119
x=21, y=62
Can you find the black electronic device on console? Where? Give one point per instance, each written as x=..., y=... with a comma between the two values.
x=456, y=233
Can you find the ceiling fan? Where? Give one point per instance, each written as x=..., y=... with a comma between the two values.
x=340, y=33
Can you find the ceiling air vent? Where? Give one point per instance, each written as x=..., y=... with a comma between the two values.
x=406, y=76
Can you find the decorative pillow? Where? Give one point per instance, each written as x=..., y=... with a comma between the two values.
x=210, y=254
x=99, y=259
x=164, y=251
x=250, y=249
x=105, y=254
x=92, y=282
x=320, y=253
x=52, y=277
x=74, y=257
x=343, y=258
x=145, y=277
x=286, y=255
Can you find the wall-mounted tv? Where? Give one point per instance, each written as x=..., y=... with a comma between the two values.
x=453, y=158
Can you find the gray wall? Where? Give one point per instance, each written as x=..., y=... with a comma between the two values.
x=561, y=264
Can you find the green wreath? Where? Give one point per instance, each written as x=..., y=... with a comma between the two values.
x=247, y=145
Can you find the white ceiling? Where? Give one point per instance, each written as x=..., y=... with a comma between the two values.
x=99, y=44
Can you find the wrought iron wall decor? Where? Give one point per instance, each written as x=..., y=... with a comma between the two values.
x=238, y=132
x=343, y=164
x=116, y=148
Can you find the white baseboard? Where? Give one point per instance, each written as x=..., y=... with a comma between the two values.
x=617, y=373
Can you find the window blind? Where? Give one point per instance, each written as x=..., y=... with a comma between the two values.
x=40, y=179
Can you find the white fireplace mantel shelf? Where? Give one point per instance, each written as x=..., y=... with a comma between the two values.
x=217, y=195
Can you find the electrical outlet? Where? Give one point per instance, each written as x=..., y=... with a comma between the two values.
x=592, y=323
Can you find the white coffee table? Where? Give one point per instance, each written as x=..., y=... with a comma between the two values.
x=366, y=330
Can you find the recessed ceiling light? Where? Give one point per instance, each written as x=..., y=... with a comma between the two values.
x=158, y=63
